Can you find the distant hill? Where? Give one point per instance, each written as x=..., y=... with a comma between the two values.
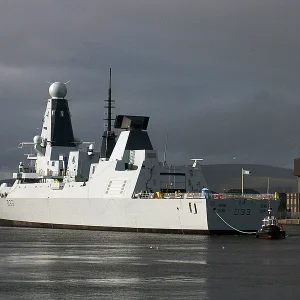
x=228, y=176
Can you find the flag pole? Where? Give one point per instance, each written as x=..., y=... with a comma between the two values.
x=242, y=181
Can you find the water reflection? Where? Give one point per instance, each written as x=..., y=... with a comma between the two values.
x=63, y=264
x=54, y=264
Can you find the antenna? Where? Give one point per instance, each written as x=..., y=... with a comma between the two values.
x=109, y=137
x=64, y=82
x=109, y=104
x=165, y=152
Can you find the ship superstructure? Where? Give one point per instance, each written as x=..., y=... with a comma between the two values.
x=67, y=184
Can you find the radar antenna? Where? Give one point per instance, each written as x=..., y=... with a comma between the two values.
x=196, y=161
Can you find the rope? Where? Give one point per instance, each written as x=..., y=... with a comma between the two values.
x=246, y=232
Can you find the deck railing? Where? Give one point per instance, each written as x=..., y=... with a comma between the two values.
x=159, y=195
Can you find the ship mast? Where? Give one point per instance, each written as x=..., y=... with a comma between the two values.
x=109, y=106
x=108, y=137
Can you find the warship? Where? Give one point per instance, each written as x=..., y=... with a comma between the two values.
x=122, y=186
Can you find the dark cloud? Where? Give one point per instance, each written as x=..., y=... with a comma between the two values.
x=219, y=76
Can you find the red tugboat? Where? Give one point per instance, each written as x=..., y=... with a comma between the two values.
x=270, y=229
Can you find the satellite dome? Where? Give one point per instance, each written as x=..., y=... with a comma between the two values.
x=37, y=139
x=58, y=90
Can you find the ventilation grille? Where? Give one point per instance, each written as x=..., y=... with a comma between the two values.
x=116, y=187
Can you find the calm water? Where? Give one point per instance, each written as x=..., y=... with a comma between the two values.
x=66, y=264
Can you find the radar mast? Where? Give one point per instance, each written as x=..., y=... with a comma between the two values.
x=108, y=137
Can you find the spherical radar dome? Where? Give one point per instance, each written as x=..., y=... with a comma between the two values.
x=58, y=90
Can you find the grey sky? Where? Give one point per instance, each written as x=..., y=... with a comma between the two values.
x=220, y=76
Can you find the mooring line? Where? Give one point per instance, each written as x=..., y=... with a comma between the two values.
x=246, y=232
